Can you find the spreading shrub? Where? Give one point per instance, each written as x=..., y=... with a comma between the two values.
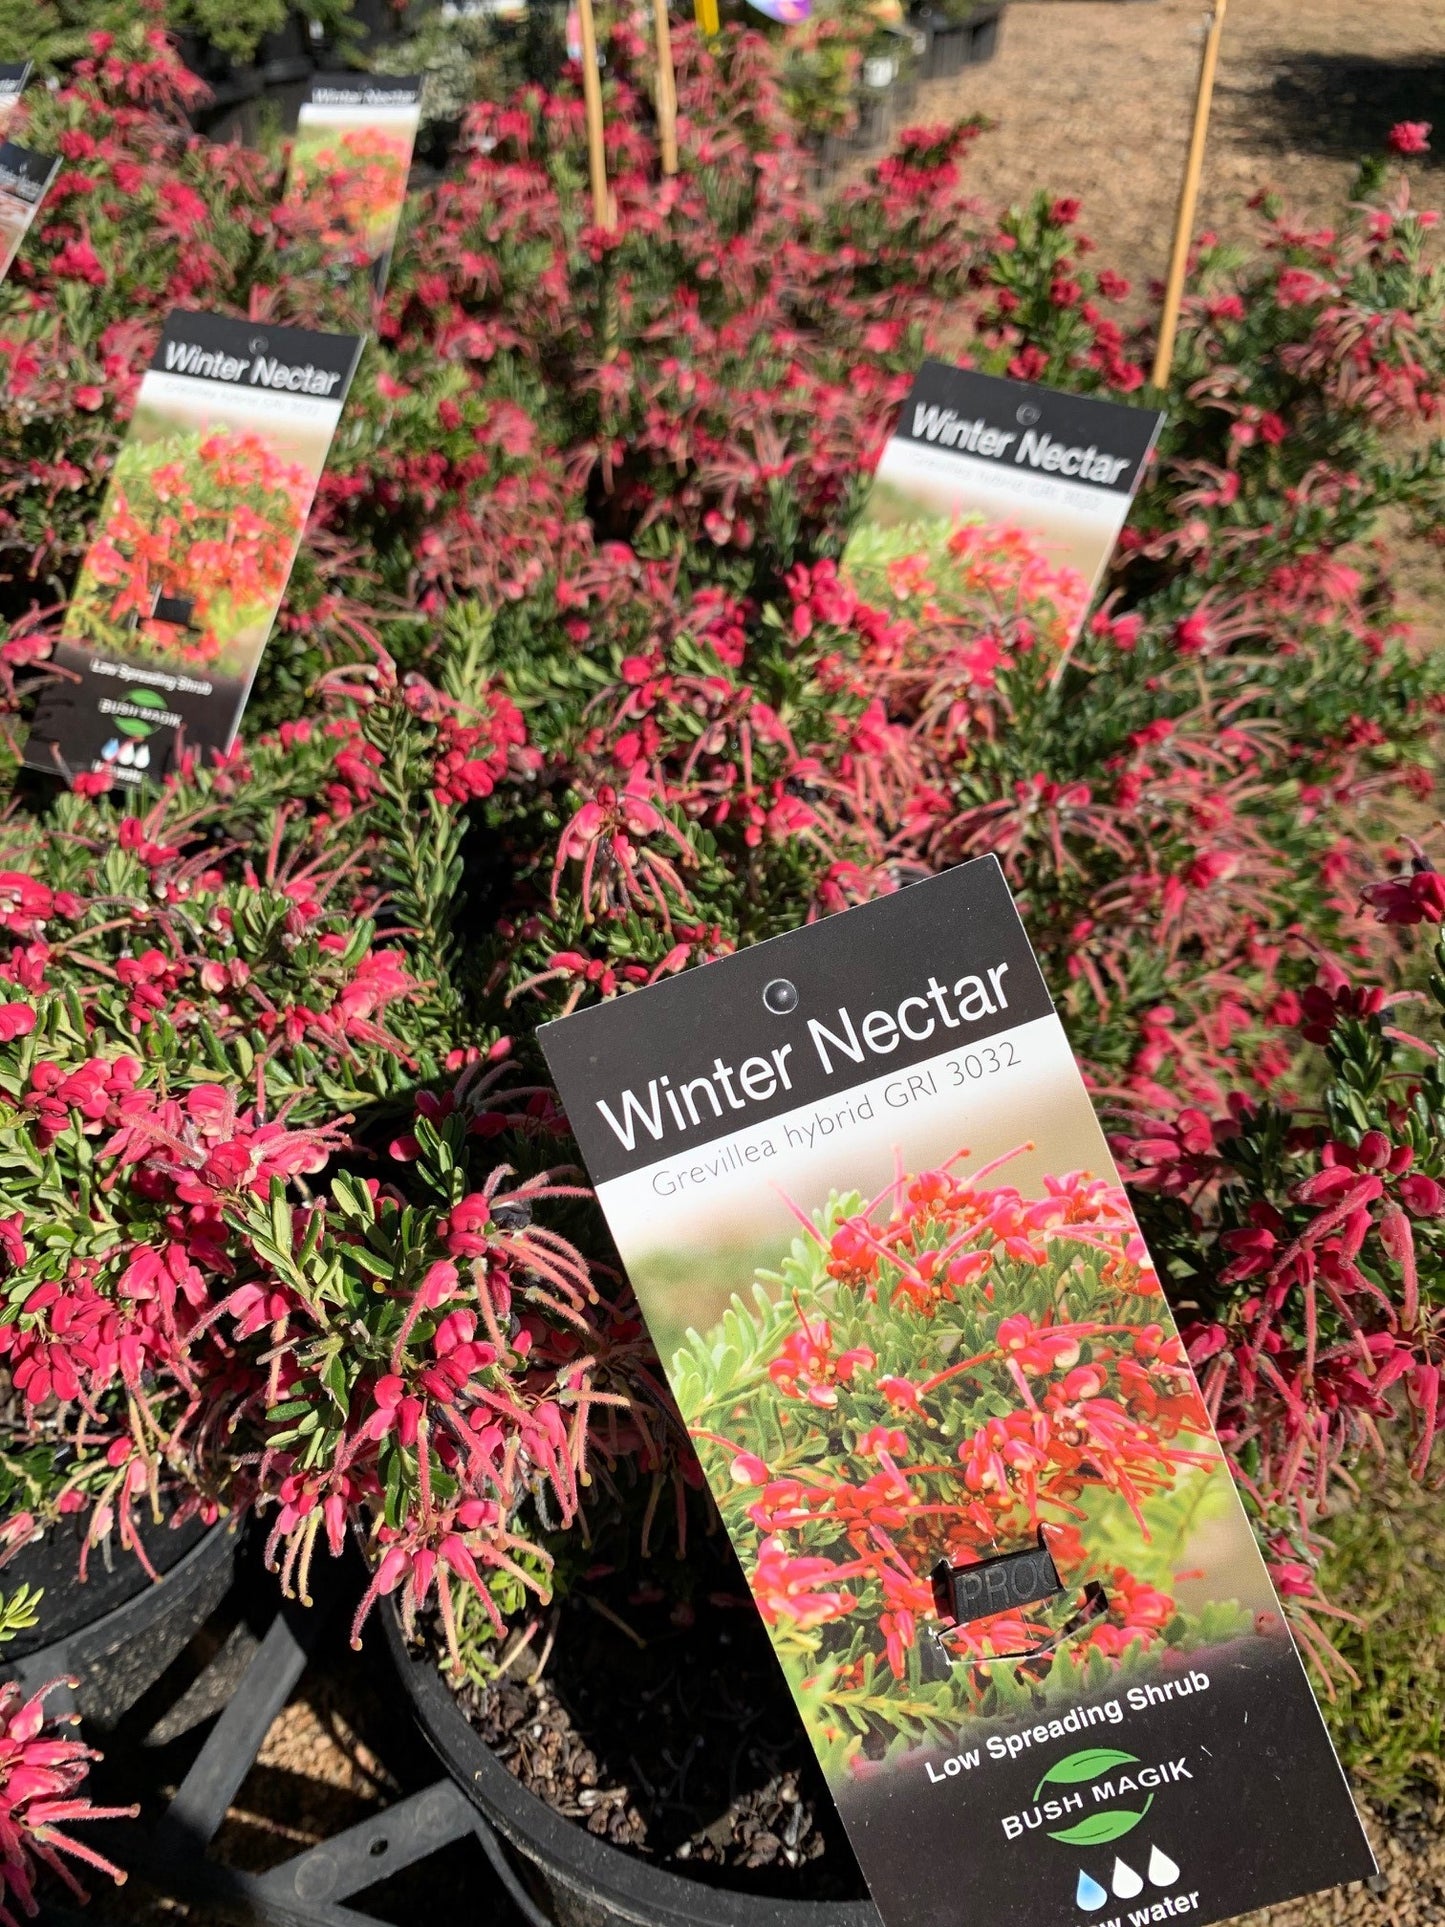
x=570, y=692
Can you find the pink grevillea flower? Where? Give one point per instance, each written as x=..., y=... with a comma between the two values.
x=792, y=1587
x=1036, y=1347
x=806, y=1368
x=1409, y=137
x=1415, y=896
x=609, y=836
x=40, y=1778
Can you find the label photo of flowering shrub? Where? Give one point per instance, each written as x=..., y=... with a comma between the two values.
x=1001, y=485
x=912, y=1327
x=24, y=177
x=194, y=545
x=13, y=76
x=351, y=158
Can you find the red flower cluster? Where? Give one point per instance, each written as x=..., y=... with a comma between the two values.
x=41, y=1775
x=213, y=521
x=353, y=182
x=1018, y=1326
x=1324, y=1309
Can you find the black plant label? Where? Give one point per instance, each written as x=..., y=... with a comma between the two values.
x=193, y=548
x=925, y=1360
x=24, y=179
x=1003, y=485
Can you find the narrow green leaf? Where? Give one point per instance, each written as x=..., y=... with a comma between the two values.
x=1112, y=1824
x=1087, y=1765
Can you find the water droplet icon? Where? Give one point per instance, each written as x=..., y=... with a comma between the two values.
x=143, y=757
x=1089, y=1893
x=111, y=750
x=1126, y=1883
x=127, y=754
x=1162, y=1870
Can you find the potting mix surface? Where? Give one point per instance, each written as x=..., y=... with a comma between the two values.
x=664, y=1727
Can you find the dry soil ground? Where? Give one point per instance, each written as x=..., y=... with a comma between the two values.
x=1093, y=97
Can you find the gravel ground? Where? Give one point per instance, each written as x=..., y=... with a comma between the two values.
x=1409, y=1890
x=1094, y=97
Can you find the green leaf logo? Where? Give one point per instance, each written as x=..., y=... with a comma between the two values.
x=147, y=698
x=1113, y=1824
x=133, y=726
x=1075, y=1768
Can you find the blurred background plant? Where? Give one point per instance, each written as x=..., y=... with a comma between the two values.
x=54, y=33
x=1384, y=1569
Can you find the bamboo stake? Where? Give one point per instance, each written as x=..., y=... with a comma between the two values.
x=592, y=91
x=1188, y=197
x=666, y=89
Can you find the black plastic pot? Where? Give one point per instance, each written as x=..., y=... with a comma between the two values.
x=946, y=41
x=831, y=155
x=281, y=59
x=874, y=122
x=117, y=1633
x=378, y=22
x=912, y=45
x=984, y=28
x=52, y=1564
x=585, y=1882
x=229, y=84
x=284, y=64
x=286, y=55
x=951, y=45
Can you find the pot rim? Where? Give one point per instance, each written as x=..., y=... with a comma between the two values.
x=110, y=1630
x=629, y=1887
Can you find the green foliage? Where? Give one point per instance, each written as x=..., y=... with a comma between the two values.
x=464, y=57
x=19, y=1612
x=1385, y=1570
x=53, y=33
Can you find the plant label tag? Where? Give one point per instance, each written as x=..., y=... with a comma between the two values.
x=194, y=547
x=24, y=181
x=909, y=1320
x=350, y=160
x=14, y=77
x=1026, y=487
